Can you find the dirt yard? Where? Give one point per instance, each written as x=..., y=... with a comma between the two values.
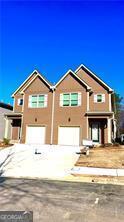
x=2, y=145
x=112, y=157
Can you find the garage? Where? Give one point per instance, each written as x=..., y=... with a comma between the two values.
x=35, y=134
x=69, y=136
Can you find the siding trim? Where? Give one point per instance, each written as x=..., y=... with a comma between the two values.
x=77, y=77
x=37, y=73
x=94, y=75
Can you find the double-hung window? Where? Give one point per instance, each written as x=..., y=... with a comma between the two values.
x=99, y=98
x=41, y=101
x=74, y=99
x=66, y=99
x=70, y=99
x=20, y=102
x=37, y=101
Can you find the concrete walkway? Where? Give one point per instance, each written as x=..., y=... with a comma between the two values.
x=53, y=161
x=96, y=171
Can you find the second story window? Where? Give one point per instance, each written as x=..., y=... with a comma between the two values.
x=37, y=101
x=70, y=99
x=20, y=102
x=99, y=98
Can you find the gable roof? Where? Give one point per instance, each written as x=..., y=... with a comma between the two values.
x=94, y=75
x=77, y=77
x=37, y=74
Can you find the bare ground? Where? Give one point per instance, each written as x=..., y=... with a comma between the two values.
x=108, y=157
x=2, y=145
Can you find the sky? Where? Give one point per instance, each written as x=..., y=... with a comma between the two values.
x=54, y=36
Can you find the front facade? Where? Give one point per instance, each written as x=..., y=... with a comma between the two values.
x=80, y=106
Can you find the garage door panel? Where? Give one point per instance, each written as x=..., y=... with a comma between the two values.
x=69, y=136
x=35, y=135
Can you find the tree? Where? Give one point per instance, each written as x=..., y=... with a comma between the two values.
x=119, y=113
x=122, y=120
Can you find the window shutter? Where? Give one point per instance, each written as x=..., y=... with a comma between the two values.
x=95, y=98
x=18, y=102
x=29, y=101
x=103, y=98
x=45, y=100
x=79, y=99
x=61, y=100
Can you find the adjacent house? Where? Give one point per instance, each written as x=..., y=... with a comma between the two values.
x=4, y=109
x=79, y=106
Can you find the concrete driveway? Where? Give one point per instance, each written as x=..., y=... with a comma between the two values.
x=53, y=161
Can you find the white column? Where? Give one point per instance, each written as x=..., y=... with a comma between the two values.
x=109, y=130
x=87, y=128
x=115, y=128
x=6, y=128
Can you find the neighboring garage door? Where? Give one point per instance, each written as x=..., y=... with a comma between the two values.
x=35, y=134
x=69, y=136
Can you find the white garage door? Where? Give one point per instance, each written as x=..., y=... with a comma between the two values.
x=35, y=134
x=69, y=136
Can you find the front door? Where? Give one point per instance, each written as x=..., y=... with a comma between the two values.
x=95, y=132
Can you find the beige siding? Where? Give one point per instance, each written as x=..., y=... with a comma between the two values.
x=37, y=116
x=70, y=116
x=96, y=88
x=63, y=116
x=17, y=108
x=18, y=95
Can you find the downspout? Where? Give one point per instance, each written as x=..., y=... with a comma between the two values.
x=88, y=105
x=52, y=118
x=113, y=116
x=20, y=139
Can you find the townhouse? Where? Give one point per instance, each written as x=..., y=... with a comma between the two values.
x=79, y=106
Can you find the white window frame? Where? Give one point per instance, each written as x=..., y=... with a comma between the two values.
x=79, y=99
x=19, y=101
x=45, y=101
x=103, y=97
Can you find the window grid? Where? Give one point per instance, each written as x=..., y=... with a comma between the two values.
x=99, y=98
x=74, y=99
x=37, y=101
x=70, y=99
